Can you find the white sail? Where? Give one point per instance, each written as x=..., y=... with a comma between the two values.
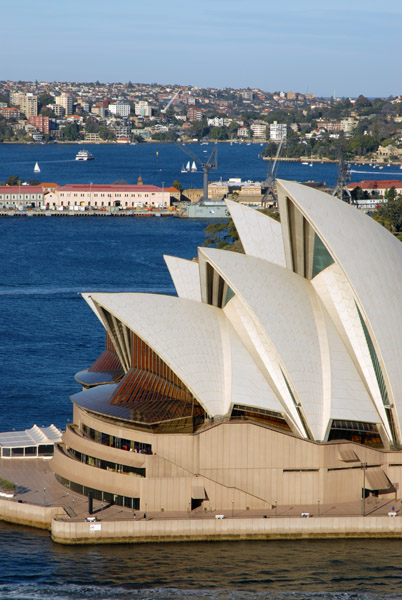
x=188, y=168
x=193, y=166
x=36, y=168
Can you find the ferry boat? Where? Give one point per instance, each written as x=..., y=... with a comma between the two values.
x=84, y=155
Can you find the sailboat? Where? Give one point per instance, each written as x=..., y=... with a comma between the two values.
x=187, y=167
x=193, y=167
x=36, y=168
x=183, y=169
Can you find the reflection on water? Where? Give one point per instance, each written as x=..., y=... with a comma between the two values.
x=34, y=567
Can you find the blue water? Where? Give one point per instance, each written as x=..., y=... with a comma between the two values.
x=160, y=164
x=47, y=333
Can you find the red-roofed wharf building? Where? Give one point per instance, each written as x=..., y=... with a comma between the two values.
x=377, y=187
x=21, y=195
x=108, y=196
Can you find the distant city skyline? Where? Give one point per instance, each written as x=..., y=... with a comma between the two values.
x=348, y=48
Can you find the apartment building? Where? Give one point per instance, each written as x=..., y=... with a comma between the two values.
x=41, y=123
x=120, y=108
x=259, y=130
x=66, y=101
x=142, y=109
x=278, y=131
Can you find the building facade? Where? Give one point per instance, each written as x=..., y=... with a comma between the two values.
x=273, y=377
x=107, y=196
x=66, y=101
x=120, y=108
x=20, y=196
x=278, y=131
x=41, y=123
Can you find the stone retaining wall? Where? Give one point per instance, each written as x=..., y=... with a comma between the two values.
x=106, y=532
x=33, y=515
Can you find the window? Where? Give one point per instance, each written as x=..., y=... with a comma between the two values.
x=321, y=257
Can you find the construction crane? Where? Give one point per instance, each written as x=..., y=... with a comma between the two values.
x=341, y=189
x=268, y=186
x=211, y=163
x=172, y=99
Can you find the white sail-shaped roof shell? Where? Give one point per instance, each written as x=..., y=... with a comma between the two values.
x=309, y=350
x=260, y=235
x=186, y=277
x=371, y=261
x=199, y=344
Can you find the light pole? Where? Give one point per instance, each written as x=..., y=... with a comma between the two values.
x=44, y=496
x=319, y=507
x=232, y=508
x=276, y=508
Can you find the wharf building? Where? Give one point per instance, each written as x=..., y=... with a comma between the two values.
x=104, y=196
x=84, y=196
x=274, y=377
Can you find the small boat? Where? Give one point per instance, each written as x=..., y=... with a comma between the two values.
x=84, y=155
x=183, y=169
x=36, y=168
x=311, y=164
x=194, y=167
x=187, y=168
x=305, y=163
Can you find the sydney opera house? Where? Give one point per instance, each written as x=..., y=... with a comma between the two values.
x=273, y=377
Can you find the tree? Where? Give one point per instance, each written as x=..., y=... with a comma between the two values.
x=48, y=112
x=71, y=132
x=390, y=194
x=33, y=182
x=362, y=102
x=6, y=132
x=13, y=180
x=92, y=126
x=45, y=99
x=176, y=184
x=106, y=134
x=389, y=215
x=223, y=236
x=218, y=133
x=199, y=129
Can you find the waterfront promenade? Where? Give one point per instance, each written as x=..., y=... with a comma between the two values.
x=41, y=501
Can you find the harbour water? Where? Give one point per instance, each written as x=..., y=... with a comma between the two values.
x=48, y=333
x=160, y=164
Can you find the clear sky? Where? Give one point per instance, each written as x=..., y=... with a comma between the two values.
x=347, y=46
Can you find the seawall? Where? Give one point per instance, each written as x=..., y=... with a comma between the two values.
x=24, y=513
x=176, y=530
